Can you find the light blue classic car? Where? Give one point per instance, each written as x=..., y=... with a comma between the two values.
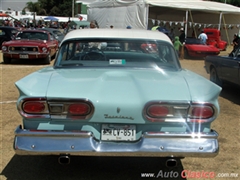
x=117, y=92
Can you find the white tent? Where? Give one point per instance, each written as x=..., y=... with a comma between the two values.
x=190, y=14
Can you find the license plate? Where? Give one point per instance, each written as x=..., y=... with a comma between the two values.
x=23, y=56
x=113, y=132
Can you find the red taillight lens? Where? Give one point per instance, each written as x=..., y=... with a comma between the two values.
x=202, y=112
x=158, y=111
x=33, y=107
x=79, y=109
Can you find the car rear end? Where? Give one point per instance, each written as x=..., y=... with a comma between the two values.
x=119, y=108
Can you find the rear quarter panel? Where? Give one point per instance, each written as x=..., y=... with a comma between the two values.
x=213, y=61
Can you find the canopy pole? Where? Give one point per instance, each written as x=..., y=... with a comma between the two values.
x=226, y=30
x=186, y=23
x=147, y=15
x=195, y=35
x=73, y=8
x=220, y=21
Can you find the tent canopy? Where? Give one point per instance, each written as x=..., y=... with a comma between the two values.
x=199, y=5
x=136, y=13
x=144, y=14
x=195, y=5
x=3, y=15
x=51, y=18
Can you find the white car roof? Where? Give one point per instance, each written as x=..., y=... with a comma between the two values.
x=117, y=33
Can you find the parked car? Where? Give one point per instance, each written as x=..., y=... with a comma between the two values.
x=224, y=69
x=30, y=44
x=214, y=38
x=76, y=25
x=7, y=33
x=55, y=32
x=194, y=48
x=115, y=92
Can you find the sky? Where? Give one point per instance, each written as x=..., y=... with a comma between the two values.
x=16, y=5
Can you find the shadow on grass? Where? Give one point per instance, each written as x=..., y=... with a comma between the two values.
x=86, y=168
x=232, y=93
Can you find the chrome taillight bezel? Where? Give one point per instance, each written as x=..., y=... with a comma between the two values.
x=194, y=119
x=64, y=106
x=180, y=111
x=43, y=114
x=56, y=109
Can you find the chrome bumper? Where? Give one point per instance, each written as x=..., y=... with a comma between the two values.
x=83, y=143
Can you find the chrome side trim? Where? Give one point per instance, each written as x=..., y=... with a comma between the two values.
x=83, y=143
x=26, y=52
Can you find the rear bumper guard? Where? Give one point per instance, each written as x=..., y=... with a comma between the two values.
x=83, y=143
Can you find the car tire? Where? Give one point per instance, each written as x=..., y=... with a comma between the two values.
x=6, y=60
x=214, y=77
x=186, y=56
x=53, y=57
x=225, y=48
x=47, y=60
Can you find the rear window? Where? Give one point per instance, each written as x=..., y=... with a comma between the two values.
x=118, y=53
x=32, y=35
x=2, y=33
x=14, y=32
x=58, y=33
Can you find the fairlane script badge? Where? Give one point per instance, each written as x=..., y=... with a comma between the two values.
x=118, y=117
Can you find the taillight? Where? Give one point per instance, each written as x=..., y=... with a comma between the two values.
x=166, y=111
x=56, y=109
x=80, y=109
x=158, y=111
x=201, y=112
x=179, y=112
x=33, y=107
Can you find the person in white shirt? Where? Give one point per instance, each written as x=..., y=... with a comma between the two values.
x=203, y=37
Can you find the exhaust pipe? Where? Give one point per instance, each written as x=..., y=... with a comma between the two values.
x=64, y=160
x=171, y=163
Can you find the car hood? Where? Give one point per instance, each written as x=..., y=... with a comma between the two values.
x=199, y=47
x=128, y=86
x=25, y=42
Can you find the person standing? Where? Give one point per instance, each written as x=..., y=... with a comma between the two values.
x=182, y=39
x=235, y=41
x=94, y=24
x=177, y=45
x=182, y=36
x=171, y=35
x=203, y=37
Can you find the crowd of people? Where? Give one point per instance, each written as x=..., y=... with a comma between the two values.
x=178, y=40
x=31, y=24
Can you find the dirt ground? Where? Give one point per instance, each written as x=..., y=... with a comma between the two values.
x=13, y=167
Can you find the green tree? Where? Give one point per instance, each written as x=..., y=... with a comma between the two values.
x=35, y=7
x=57, y=7
x=232, y=2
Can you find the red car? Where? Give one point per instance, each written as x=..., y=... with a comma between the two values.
x=194, y=48
x=214, y=38
x=30, y=44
